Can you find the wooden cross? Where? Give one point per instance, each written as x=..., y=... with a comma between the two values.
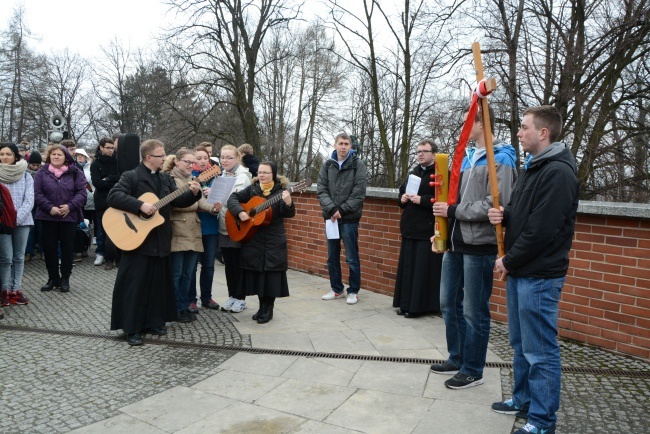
x=490, y=85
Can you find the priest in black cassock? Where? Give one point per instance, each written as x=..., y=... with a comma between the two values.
x=143, y=296
x=417, y=287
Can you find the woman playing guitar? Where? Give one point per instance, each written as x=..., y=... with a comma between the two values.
x=264, y=261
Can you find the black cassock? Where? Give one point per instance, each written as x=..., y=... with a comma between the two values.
x=417, y=286
x=143, y=296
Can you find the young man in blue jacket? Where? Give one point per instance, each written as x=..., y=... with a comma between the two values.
x=467, y=268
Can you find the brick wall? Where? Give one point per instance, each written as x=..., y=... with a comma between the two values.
x=605, y=302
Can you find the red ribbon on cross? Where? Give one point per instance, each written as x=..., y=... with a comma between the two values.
x=459, y=153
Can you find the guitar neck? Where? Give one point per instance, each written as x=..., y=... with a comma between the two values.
x=261, y=207
x=170, y=197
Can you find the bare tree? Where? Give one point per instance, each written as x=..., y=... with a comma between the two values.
x=221, y=40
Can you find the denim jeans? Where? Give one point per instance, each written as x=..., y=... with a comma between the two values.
x=207, y=258
x=12, y=258
x=182, y=265
x=100, y=235
x=532, y=324
x=465, y=290
x=349, y=233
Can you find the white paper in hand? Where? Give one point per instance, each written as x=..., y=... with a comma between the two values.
x=413, y=184
x=332, y=229
x=221, y=189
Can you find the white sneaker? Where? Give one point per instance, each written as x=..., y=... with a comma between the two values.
x=94, y=241
x=99, y=260
x=238, y=306
x=332, y=296
x=228, y=304
x=352, y=299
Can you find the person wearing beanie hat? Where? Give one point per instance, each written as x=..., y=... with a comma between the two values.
x=35, y=161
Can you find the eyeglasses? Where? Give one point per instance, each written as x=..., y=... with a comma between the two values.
x=187, y=161
x=158, y=156
x=109, y=148
x=227, y=158
x=423, y=152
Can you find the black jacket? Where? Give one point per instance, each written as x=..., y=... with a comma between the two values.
x=252, y=163
x=541, y=216
x=342, y=189
x=267, y=249
x=134, y=184
x=417, y=220
x=104, y=175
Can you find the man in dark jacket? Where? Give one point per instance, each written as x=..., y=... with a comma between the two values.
x=540, y=220
x=104, y=175
x=341, y=191
x=143, y=296
x=249, y=160
x=417, y=286
x=467, y=268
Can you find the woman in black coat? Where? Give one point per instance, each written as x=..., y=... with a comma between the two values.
x=264, y=261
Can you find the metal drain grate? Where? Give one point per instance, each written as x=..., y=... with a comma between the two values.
x=311, y=354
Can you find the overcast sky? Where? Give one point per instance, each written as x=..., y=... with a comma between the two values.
x=84, y=25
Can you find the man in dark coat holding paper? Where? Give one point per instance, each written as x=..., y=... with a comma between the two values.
x=143, y=296
x=417, y=286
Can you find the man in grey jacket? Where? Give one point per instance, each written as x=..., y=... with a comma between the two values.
x=467, y=268
x=341, y=191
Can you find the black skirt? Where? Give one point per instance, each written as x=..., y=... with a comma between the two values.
x=264, y=284
x=417, y=286
x=143, y=296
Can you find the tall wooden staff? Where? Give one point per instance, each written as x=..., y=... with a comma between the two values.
x=489, y=149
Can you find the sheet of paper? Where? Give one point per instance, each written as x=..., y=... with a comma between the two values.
x=221, y=189
x=413, y=184
x=332, y=229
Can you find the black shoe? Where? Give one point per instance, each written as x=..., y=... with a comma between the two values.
x=259, y=312
x=193, y=316
x=411, y=315
x=65, y=285
x=219, y=256
x=211, y=304
x=158, y=331
x=509, y=407
x=134, y=339
x=462, y=381
x=184, y=316
x=50, y=285
x=266, y=315
x=445, y=368
x=399, y=312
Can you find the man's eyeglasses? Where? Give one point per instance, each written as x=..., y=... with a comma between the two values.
x=423, y=152
x=158, y=156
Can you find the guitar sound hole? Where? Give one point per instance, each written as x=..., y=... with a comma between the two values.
x=251, y=213
x=145, y=216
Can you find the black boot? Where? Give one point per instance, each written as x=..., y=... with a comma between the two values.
x=50, y=285
x=65, y=284
x=259, y=311
x=266, y=315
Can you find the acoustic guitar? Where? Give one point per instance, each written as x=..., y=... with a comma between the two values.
x=260, y=213
x=128, y=231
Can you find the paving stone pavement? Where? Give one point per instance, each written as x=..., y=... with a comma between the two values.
x=61, y=382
